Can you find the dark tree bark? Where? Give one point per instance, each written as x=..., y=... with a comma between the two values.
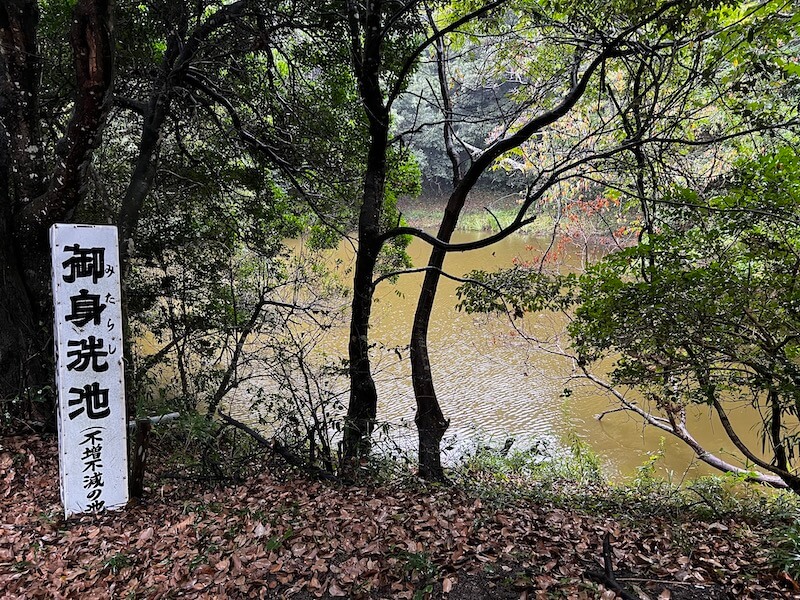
x=182, y=49
x=430, y=421
x=366, y=38
x=368, y=32
x=32, y=200
x=363, y=403
x=21, y=363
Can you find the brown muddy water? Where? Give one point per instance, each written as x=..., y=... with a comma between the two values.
x=493, y=384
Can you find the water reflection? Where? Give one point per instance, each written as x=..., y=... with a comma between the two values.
x=493, y=384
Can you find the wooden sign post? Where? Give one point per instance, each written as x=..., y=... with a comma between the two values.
x=92, y=432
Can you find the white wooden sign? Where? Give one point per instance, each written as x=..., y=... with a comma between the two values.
x=92, y=432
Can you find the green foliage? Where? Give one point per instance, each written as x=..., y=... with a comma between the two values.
x=648, y=483
x=543, y=465
x=785, y=549
x=517, y=290
x=418, y=564
x=403, y=180
x=729, y=494
x=419, y=568
x=573, y=478
x=599, y=13
x=704, y=310
x=117, y=562
x=206, y=450
x=484, y=221
x=322, y=237
x=647, y=470
x=277, y=540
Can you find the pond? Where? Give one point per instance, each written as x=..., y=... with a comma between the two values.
x=493, y=384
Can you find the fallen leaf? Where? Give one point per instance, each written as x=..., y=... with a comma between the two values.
x=185, y=523
x=335, y=591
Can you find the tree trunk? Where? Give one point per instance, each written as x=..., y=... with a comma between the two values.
x=431, y=424
x=363, y=403
x=31, y=199
x=25, y=378
x=23, y=371
x=430, y=421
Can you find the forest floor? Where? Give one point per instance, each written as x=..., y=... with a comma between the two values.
x=281, y=534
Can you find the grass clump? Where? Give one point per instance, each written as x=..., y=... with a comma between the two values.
x=540, y=472
x=574, y=478
x=196, y=448
x=785, y=554
x=481, y=214
x=483, y=220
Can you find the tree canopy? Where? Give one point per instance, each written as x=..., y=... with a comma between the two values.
x=210, y=132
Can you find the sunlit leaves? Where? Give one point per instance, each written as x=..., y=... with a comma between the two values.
x=403, y=180
x=519, y=290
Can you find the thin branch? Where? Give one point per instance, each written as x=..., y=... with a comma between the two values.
x=137, y=106
x=680, y=431
x=496, y=220
x=203, y=84
x=737, y=441
x=277, y=448
x=441, y=272
x=415, y=54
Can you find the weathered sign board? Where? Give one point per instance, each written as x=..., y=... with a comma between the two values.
x=92, y=432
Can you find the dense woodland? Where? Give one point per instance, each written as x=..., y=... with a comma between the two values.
x=212, y=132
x=216, y=133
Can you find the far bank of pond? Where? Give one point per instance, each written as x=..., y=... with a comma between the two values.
x=492, y=384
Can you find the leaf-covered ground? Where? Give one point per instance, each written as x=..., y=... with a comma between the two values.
x=278, y=536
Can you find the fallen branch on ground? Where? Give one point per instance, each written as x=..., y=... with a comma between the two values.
x=278, y=448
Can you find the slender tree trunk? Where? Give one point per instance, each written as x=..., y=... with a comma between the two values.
x=366, y=37
x=23, y=368
x=363, y=404
x=430, y=421
x=24, y=348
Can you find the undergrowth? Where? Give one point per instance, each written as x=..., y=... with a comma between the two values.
x=574, y=479
x=203, y=450
x=569, y=478
x=476, y=218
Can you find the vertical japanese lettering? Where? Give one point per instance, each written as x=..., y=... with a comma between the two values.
x=90, y=398
x=86, y=307
x=84, y=262
x=88, y=354
x=92, y=423
x=92, y=459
